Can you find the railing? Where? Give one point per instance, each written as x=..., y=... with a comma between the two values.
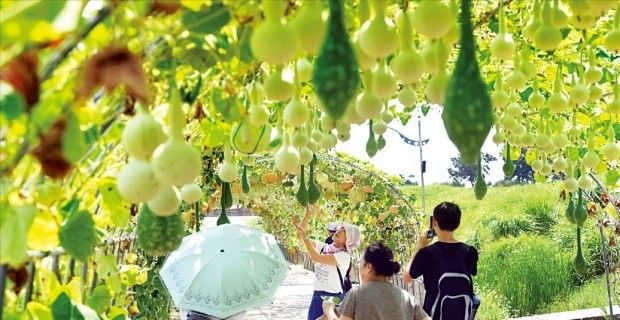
x=295, y=256
x=119, y=247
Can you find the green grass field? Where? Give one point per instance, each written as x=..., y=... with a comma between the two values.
x=505, y=222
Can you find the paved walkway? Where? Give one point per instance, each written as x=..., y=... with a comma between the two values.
x=292, y=298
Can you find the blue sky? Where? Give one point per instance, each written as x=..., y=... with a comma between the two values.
x=398, y=157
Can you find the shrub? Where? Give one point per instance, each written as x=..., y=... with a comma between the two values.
x=542, y=214
x=565, y=235
x=527, y=270
x=511, y=227
x=493, y=306
x=593, y=294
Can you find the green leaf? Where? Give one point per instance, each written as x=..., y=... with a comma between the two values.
x=14, y=225
x=69, y=208
x=245, y=53
x=118, y=313
x=114, y=205
x=77, y=235
x=215, y=132
x=62, y=308
x=106, y=266
x=229, y=107
x=29, y=21
x=91, y=135
x=85, y=312
x=99, y=300
x=425, y=109
x=114, y=283
x=12, y=102
x=612, y=177
x=73, y=142
x=208, y=20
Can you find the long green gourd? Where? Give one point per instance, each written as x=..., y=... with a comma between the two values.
x=245, y=185
x=480, y=186
x=468, y=113
x=302, y=192
x=313, y=190
x=335, y=75
x=570, y=209
x=509, y=166
x=580, y=215
x=579, y=263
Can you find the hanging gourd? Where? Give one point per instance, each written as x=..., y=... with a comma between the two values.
x=580, y=215
x=559, y=164
x=571, y=184
x=227, y=170
x=528, y=139
x=579, y=92
x=371, y=144
x=279, y=85
x=287, y=157
x=225, y=200
x=273, y=41
x=167, y=202
x=560, y=140
x=304, y=69
x=247, y=138
x=569, y=213
x=245, y=184
x=536, y=100
x=383, y=81
x=299, y=139
x=527, y=66
x=612, y=38
x=378, y=36
x=379, y=127
x=436, y=88
x=480, y=186
x=502, y=46
x=258, y=114
x=591, y=159
x=136, y=181
x=534, y=23
x=498, y=137
x=614, y=106
x=454, y=34
x=152, y=229
x=584, y=181
x=407, y=64
x=558, y=100
x=611, y=149
x=579, y=263
x=310, y=25
x=499, y=97
x=368, y=104
x=302, y=192
x=467, y=114
x=335, y=76
x=381, y=142
x=509, y=166
x=432, y=18
x=313, y=190
x=296, y=112
x=142, y=134
x=593, y=73
x=429, y=57
x=516, y=80
x=175, y=161
x=407, y=96
x=305, y=155
x=560, y=18
x=191, y=193
x=547, y=37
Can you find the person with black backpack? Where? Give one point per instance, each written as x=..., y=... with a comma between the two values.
x=331, y=262
x=447, y=266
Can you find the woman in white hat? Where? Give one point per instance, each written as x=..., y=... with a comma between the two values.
x=332, y=261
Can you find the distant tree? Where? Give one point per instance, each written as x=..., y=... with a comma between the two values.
x=461, y=172
x=523, y=171
x=409, y=180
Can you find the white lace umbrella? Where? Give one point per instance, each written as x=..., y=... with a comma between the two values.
x=224, y=270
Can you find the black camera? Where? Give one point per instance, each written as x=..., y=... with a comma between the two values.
x=431, y=231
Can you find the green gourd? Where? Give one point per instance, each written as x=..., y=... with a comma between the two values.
x=158, y=236
x=509, y=166
x=570, y=209
x=245, y=185
x=223, y=218
x=580, y=215
x=579, y=263
x=302, y=192
x=381, y=142
x=313, y=190
x=371, y=145
x=480, y=186
x=335, y=75
x=467, y=113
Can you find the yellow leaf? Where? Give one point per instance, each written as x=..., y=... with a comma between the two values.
x=601, y=168
x=192, y=4
x=530, y=156
x=39, y=311
x=43, y=233
x=583, y=119
x=48, y=282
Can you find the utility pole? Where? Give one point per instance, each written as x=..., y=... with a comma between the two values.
x=422, y=164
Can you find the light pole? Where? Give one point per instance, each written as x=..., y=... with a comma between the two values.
x=419, y=143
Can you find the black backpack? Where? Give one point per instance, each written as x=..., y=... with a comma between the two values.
x=346, y=283
x=453, y=298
